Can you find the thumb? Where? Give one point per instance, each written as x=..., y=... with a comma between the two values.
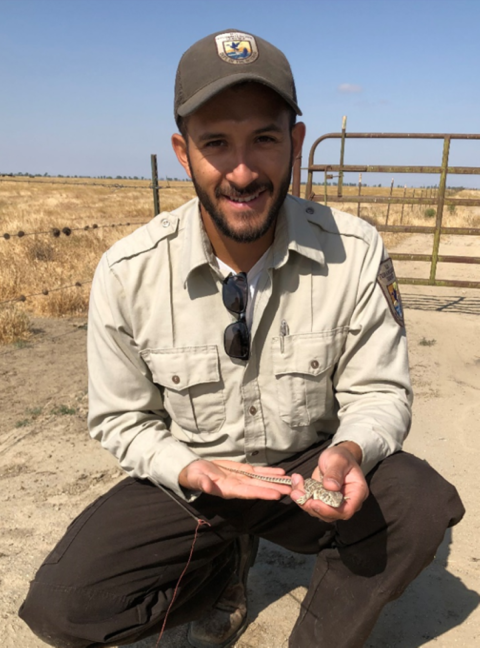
x=206, y=485
x=333, y=471
x=333, y=480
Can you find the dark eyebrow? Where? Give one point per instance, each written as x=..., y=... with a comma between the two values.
x=211, y=136
x=265, y=129
x=268, y=129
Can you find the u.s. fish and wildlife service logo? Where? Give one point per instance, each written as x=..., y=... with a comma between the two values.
x=389, y=285
x=237, y=48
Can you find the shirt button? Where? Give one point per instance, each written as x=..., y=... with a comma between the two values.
x=254, y=453
x=176, y=379
x=310, y=210
x=165, y=222
x=314, y=364
x=253, y=410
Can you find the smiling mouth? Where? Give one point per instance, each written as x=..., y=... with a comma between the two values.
x=244, y=199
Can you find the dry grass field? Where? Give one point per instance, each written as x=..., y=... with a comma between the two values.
x=36, y=263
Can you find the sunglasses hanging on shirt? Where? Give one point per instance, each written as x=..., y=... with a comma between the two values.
x=236, y=338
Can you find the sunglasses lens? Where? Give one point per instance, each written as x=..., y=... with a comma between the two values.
x=237, y=340
x=234, y=293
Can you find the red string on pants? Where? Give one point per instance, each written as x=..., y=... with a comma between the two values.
x=175, y=591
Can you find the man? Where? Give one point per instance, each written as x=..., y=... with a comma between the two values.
x=254, y=331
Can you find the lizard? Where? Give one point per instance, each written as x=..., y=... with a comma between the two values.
x=313, y=489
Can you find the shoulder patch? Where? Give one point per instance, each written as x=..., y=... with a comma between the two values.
x=389, y=285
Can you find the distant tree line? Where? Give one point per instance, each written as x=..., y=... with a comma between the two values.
x=59, y=175
x=169, y=179
x=98, y=177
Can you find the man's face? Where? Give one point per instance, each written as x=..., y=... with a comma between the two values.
x=239, y=156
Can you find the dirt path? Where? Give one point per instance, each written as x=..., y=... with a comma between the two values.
x=50, y=470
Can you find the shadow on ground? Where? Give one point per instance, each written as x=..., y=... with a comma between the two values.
x=435, y=603
x=446, y=303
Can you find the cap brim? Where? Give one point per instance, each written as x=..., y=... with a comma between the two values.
x=212, y=89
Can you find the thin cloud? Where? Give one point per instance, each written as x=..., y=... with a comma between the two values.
x=349, y=88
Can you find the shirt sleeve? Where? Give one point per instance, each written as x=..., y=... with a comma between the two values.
x=126, y=411
x=372, y=381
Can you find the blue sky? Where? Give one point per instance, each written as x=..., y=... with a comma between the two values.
x=86, y=86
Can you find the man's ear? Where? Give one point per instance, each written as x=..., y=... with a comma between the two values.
x=298, y=135
x=180, y=147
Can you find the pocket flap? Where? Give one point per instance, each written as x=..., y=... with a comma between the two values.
x=308, y=353
x=182, y=368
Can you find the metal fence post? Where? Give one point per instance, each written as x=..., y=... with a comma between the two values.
x=156, y=198
x=388, y=206
x=296, y=176
x=403, y=204
x=441, y=201
x=359, y=192
x=342, y=156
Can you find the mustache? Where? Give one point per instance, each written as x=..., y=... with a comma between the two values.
x=231, y=191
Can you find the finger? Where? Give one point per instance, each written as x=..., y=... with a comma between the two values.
x=243, y=487
x=269, y=492
x=334, y=467
x=334, y=477
x=328, y=513
x=258, y=470
x=298, y=488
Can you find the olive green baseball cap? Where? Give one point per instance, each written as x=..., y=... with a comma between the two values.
x=224, y=59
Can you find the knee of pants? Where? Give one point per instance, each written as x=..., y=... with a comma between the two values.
x=405, y=494
x=406, y=515
x=69, y=617
x=411, y=492
x=43, y=611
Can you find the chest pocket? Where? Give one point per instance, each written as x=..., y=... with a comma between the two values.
x=194, y=394
x=303, y=366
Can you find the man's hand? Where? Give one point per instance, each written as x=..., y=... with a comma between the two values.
x=339, y=468
x=208, y=477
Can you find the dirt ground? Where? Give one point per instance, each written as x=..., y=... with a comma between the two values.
x=50, y=470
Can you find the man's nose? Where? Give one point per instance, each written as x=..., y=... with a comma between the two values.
x=242, y=172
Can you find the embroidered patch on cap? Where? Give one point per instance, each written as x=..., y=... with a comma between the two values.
x=237, y=48
x=389, y=285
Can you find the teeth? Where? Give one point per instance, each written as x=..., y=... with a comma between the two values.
x=245, y=199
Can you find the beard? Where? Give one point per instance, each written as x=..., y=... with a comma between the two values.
x=249, y=232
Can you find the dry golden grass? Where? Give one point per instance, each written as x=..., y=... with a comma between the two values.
x=14, y=324
x=36, y=263
x=404, y=215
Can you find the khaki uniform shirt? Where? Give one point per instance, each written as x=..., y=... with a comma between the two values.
x=328, y=358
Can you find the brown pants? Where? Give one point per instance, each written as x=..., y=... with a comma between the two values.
x=111, y=577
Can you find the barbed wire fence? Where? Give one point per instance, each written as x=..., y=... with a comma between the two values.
x=67, y=230
x=45, y=292
x=56, y=232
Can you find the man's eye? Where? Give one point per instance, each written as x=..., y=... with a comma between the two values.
x=215, y=143
x=265, y=138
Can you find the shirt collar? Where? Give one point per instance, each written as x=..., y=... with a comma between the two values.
x=197, y=249
x=293, y=232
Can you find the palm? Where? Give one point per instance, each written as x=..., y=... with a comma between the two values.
x=209, y=477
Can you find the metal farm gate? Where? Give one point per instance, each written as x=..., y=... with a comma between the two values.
x=440, y=196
